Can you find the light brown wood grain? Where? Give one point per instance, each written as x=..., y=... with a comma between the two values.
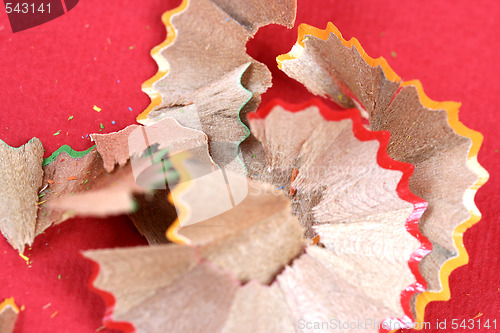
x=21, y=173
x=419, y=135
x=8, y=318
x=214, y=109
x=205, y=55
x=113, y=147
x=357, y=270
x=8, y=315
x=93, y=185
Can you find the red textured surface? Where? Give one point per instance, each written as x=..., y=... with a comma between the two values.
x=98, y=54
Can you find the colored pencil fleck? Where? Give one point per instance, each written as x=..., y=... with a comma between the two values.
x=24, y=257
x=293, y=190
x=479, y=314
x=44, y=188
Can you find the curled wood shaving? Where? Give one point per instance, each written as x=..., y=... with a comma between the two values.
x=21, y=173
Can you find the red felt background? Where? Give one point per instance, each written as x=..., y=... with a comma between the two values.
x=98, y=54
